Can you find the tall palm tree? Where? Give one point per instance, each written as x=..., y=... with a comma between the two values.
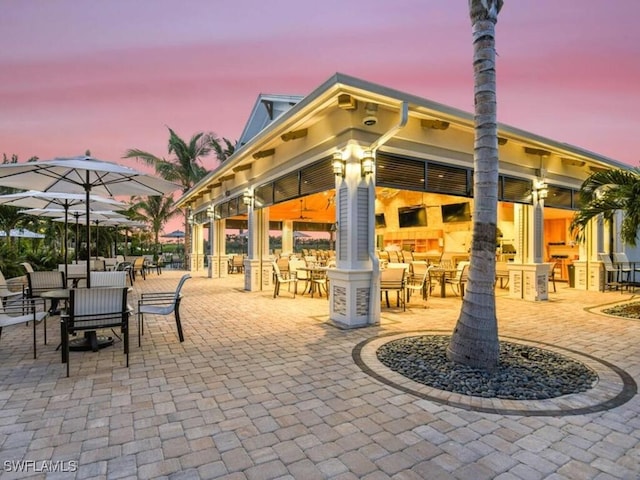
x=185, y=167
x=223, y=148
x=157, y=210
x=474, y=341
x=606, y=192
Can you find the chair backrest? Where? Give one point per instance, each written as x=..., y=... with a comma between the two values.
x=276, y=271
x=392, y=278
x=27, y=266
x=43, y=281
x=417, y=280
x=283, y=264
x=3, y=282
x=99, y=265
x=608, y=264
x=109, y=279
x=407, y=256
x=295, y=265
x=91, y=308
x=446, y=263
x=138, y=263
x=621, y=258
x=183, y=279
x=119, y=258
x=419, y=267
x=462, y=270
x=238, y=260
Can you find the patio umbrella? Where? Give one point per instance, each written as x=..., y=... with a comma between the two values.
x=127, y=223
x=174, y=234
x=66, y=201
x=86, y=175
x=98, y=218
x=21, y=233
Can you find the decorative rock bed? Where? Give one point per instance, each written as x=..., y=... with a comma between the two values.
x=524, y=372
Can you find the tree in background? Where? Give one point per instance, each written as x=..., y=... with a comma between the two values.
x=605, y=193
x=155, y=210
x=474, y=341
x=222, y=152
x=185, y=163
x=9, y=216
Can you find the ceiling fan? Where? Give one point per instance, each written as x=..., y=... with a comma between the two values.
x=303, y=209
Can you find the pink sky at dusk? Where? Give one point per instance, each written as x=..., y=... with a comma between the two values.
x=109, y=76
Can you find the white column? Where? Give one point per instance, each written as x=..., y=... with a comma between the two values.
x=353, y=291
x=287, y=236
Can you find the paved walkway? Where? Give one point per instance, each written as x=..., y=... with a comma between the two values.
x=265, y=388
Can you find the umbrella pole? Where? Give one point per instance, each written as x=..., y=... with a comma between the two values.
x=87, y=188
x=77, y=215
x=66, y=225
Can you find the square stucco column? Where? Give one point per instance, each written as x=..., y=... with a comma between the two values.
x=220, y=266
x=354, y=292
x=258, y=275
x=529, y=281
x=589, y=275
x=350, y=298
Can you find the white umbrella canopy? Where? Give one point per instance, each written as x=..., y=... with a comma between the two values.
x=21, y=233
x=70, y=201
x=83, y=174
x=47, y=200
x=174, y=234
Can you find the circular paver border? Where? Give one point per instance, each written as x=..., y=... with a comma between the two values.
x=613, y=388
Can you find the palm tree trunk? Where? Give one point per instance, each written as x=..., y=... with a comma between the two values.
x=475, y=338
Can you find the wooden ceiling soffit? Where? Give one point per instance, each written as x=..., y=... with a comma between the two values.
x=264, y=153
x=227, y=177
x=434, y=124
x=242, y=168
x=537, y=151
x=214, y=185
x=294, y=134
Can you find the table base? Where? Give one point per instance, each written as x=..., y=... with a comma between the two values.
x=90, y=342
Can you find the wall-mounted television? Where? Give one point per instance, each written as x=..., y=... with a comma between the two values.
x=412, y=216
x=380, y=220
x=456, y=212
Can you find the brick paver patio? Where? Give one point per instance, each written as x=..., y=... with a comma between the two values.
x=266, y=388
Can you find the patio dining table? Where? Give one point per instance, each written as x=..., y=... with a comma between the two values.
x=316, y=272
x=90, y=340
x=441, y=274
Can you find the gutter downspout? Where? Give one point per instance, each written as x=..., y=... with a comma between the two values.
x=374, y=306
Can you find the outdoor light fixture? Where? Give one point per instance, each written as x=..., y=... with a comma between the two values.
x=191, y=219
x=338, y=165
x=541, y=189
x=247, y=198
x=367, y=162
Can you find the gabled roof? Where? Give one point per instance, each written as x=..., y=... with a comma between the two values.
x=295, y=112
x=266, y=109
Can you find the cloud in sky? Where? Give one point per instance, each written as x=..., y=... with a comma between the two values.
x=110, y=76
